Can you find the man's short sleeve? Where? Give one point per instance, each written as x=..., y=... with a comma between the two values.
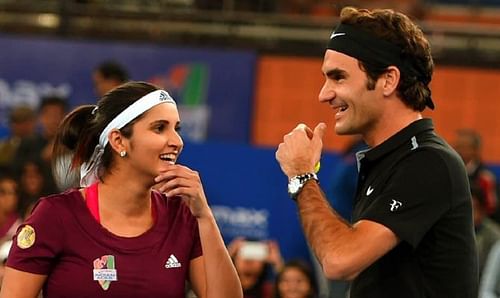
x=38, y=241
x=414, y=198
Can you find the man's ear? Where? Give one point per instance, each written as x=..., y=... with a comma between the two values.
x=117, y=141
x=391, y=80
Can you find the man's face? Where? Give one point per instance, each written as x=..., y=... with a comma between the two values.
x=50, y=118
x=103, y=85
x=345, y=89
x=23, y=128
x=464, y=145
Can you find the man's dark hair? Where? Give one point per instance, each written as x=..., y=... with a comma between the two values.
x=53, y=100
x=113, y=70
x=472, y=135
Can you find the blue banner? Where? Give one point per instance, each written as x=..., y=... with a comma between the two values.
x=213, y=87
x=248, y=195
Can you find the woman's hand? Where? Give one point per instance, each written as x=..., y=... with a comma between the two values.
x=234, y=246
x=181, y=181
x=274, y=257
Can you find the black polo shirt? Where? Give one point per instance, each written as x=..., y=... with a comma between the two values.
x=416, y=185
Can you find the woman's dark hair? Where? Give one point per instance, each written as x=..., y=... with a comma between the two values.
x=302, y=267
x=79, y=131
x=9, y=176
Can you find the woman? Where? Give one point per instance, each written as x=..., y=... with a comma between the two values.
x=116, y=237
x=256, y=269
x=33, y=185
x=9, y=218
x=295, y=281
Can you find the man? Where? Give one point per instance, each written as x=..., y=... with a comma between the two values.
x=107, y=76
x=487, y=230
x=412, y=231
x=22, y=121
x=468, y=144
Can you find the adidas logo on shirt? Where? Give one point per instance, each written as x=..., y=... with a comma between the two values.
x=172, y=262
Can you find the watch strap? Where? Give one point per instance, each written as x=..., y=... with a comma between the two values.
x=301, y=180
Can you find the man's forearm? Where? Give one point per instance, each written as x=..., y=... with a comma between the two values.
x=325, y=230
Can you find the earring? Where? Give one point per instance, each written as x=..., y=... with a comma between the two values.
x=123, y=153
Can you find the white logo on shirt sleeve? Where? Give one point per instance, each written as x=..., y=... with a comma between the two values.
x=414, y=144
x=395, y=205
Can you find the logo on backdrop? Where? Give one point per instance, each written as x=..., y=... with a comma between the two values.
x=187, y=84
x=241, y=221
x=26, y=93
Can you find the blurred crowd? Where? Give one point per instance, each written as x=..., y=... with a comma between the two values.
x=295, y=7
x=25, y=176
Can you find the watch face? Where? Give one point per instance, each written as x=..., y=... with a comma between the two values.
x=296, y=183
x=294, y=186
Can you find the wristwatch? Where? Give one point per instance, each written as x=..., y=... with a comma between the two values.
x=296, y=183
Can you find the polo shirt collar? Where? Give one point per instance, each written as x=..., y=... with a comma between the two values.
x=400, y=138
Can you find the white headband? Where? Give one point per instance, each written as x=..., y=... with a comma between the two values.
x=89, y=170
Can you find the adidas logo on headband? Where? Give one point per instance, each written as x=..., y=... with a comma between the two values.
x=163, y=95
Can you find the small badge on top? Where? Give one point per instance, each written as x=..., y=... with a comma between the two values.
x=105, y=271
x=26, y=237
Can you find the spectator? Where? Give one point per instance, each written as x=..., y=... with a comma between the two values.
x=295, y=280
x=107, y=76
x=38, y=148
x=32, y=186
x=487, y=231
x=489, y=286
x=468, y=144
x=256, y=263
x=22, y=122
x=9, y=218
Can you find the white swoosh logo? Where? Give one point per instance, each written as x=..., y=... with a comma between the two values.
x=369, y=191
x=336, y=34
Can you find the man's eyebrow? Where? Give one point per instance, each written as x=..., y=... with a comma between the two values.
x=336, y=72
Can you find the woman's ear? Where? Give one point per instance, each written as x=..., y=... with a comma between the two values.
x=391, y=80
x=117, y=141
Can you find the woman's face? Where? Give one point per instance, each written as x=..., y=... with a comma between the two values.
x=8, y=195
x=248, y=270
x=155, y=141
x=32, y=179
x=294, y=284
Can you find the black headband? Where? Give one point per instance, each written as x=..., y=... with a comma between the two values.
x=374, y=51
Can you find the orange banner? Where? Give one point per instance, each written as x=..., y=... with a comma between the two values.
x=287, y=91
